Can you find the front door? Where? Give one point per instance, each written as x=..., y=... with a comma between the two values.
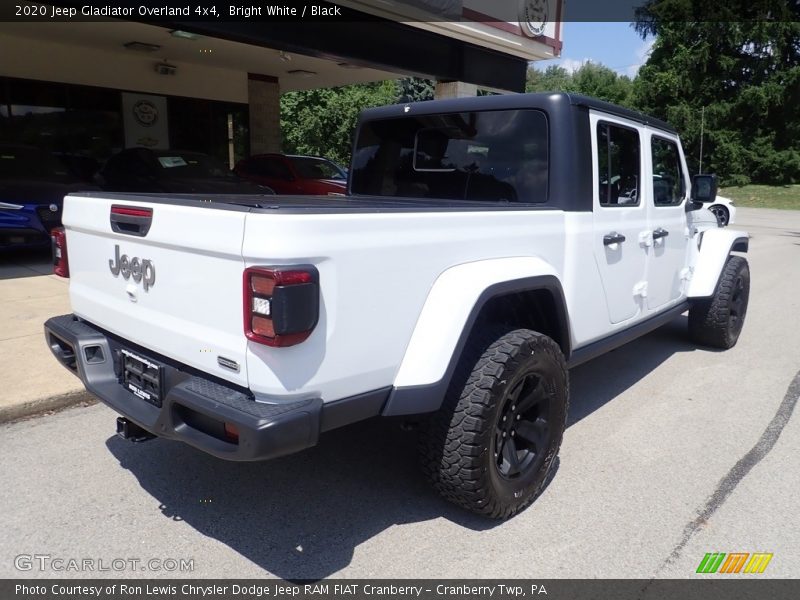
x=666, y=199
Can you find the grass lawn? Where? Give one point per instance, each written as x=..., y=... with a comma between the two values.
x=764, y=196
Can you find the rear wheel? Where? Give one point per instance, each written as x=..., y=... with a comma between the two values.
x=717, y=321
x=492, y=445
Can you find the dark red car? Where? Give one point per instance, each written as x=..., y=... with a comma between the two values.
x=290, y=174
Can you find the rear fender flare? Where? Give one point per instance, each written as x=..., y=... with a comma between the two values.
x=450, y=311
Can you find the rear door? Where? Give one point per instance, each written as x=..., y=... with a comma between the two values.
x=620, y=217
x=170, y=282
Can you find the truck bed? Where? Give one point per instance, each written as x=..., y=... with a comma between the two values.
x=370, y=253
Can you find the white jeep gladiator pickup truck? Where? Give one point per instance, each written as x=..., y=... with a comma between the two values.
x=486, y=245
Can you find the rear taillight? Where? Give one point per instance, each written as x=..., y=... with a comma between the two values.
x=58, y=236
x=281, y=304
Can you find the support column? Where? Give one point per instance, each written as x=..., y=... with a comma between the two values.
x=454, y=89
x=264, y=99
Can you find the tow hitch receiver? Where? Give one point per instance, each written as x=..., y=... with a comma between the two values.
x=129, y=430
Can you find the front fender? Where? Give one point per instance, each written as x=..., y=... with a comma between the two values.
x=446, y=319
x=716, y=246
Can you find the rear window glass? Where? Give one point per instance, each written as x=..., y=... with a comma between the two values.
x=190, y=165
x=489, y=156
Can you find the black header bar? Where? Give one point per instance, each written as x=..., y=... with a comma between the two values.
x=512, y=11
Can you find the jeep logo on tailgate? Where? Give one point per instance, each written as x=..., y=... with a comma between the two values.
x=140, y=269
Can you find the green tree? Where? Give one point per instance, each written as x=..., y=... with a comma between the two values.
x=415, y=89
x=552, y=79
x=322, y=122
x=591, y=79
x=601, y=82
x=742, y=77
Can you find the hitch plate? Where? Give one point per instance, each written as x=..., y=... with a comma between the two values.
x=141, y=377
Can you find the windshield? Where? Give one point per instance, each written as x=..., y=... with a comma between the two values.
x=490, y=156
x=26, y=163
x=316, y=168
x=190, y=165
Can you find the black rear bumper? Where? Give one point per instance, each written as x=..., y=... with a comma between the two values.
x=194, y=409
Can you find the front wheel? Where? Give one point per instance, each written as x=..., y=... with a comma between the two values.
x=717, y=321
x=492, y=445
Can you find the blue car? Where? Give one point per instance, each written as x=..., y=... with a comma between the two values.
x=33, y=184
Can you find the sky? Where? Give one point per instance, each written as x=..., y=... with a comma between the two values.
x=615, y=45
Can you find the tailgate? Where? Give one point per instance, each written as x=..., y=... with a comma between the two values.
x=187, y=302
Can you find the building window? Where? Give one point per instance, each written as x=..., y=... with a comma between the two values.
x=224, y=127
x=81, y=125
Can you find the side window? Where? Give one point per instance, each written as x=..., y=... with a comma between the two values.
x=274, y=167
x=669, y=188
x=619, y=165
x=268, y=167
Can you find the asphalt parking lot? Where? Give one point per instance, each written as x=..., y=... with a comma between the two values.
x=671, y=452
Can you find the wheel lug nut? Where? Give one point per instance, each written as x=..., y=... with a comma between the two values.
x=513, y=433
x=513, y=407
x=504, y=434
x=518, y=417
x=504, y=418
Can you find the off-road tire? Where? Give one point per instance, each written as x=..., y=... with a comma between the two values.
x=458, y=443
x=717, y=321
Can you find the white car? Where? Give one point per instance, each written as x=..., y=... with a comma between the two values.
x=725, y=211
x=486, y=246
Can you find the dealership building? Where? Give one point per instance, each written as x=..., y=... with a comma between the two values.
x=91, y=88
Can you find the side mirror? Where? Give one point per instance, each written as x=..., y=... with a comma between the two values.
x=704, y=188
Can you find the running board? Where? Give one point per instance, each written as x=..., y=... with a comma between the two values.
x=595, y=349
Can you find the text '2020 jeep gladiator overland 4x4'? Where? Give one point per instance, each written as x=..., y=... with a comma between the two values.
x=486, y=245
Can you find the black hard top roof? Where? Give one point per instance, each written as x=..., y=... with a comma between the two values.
x=547, y=101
